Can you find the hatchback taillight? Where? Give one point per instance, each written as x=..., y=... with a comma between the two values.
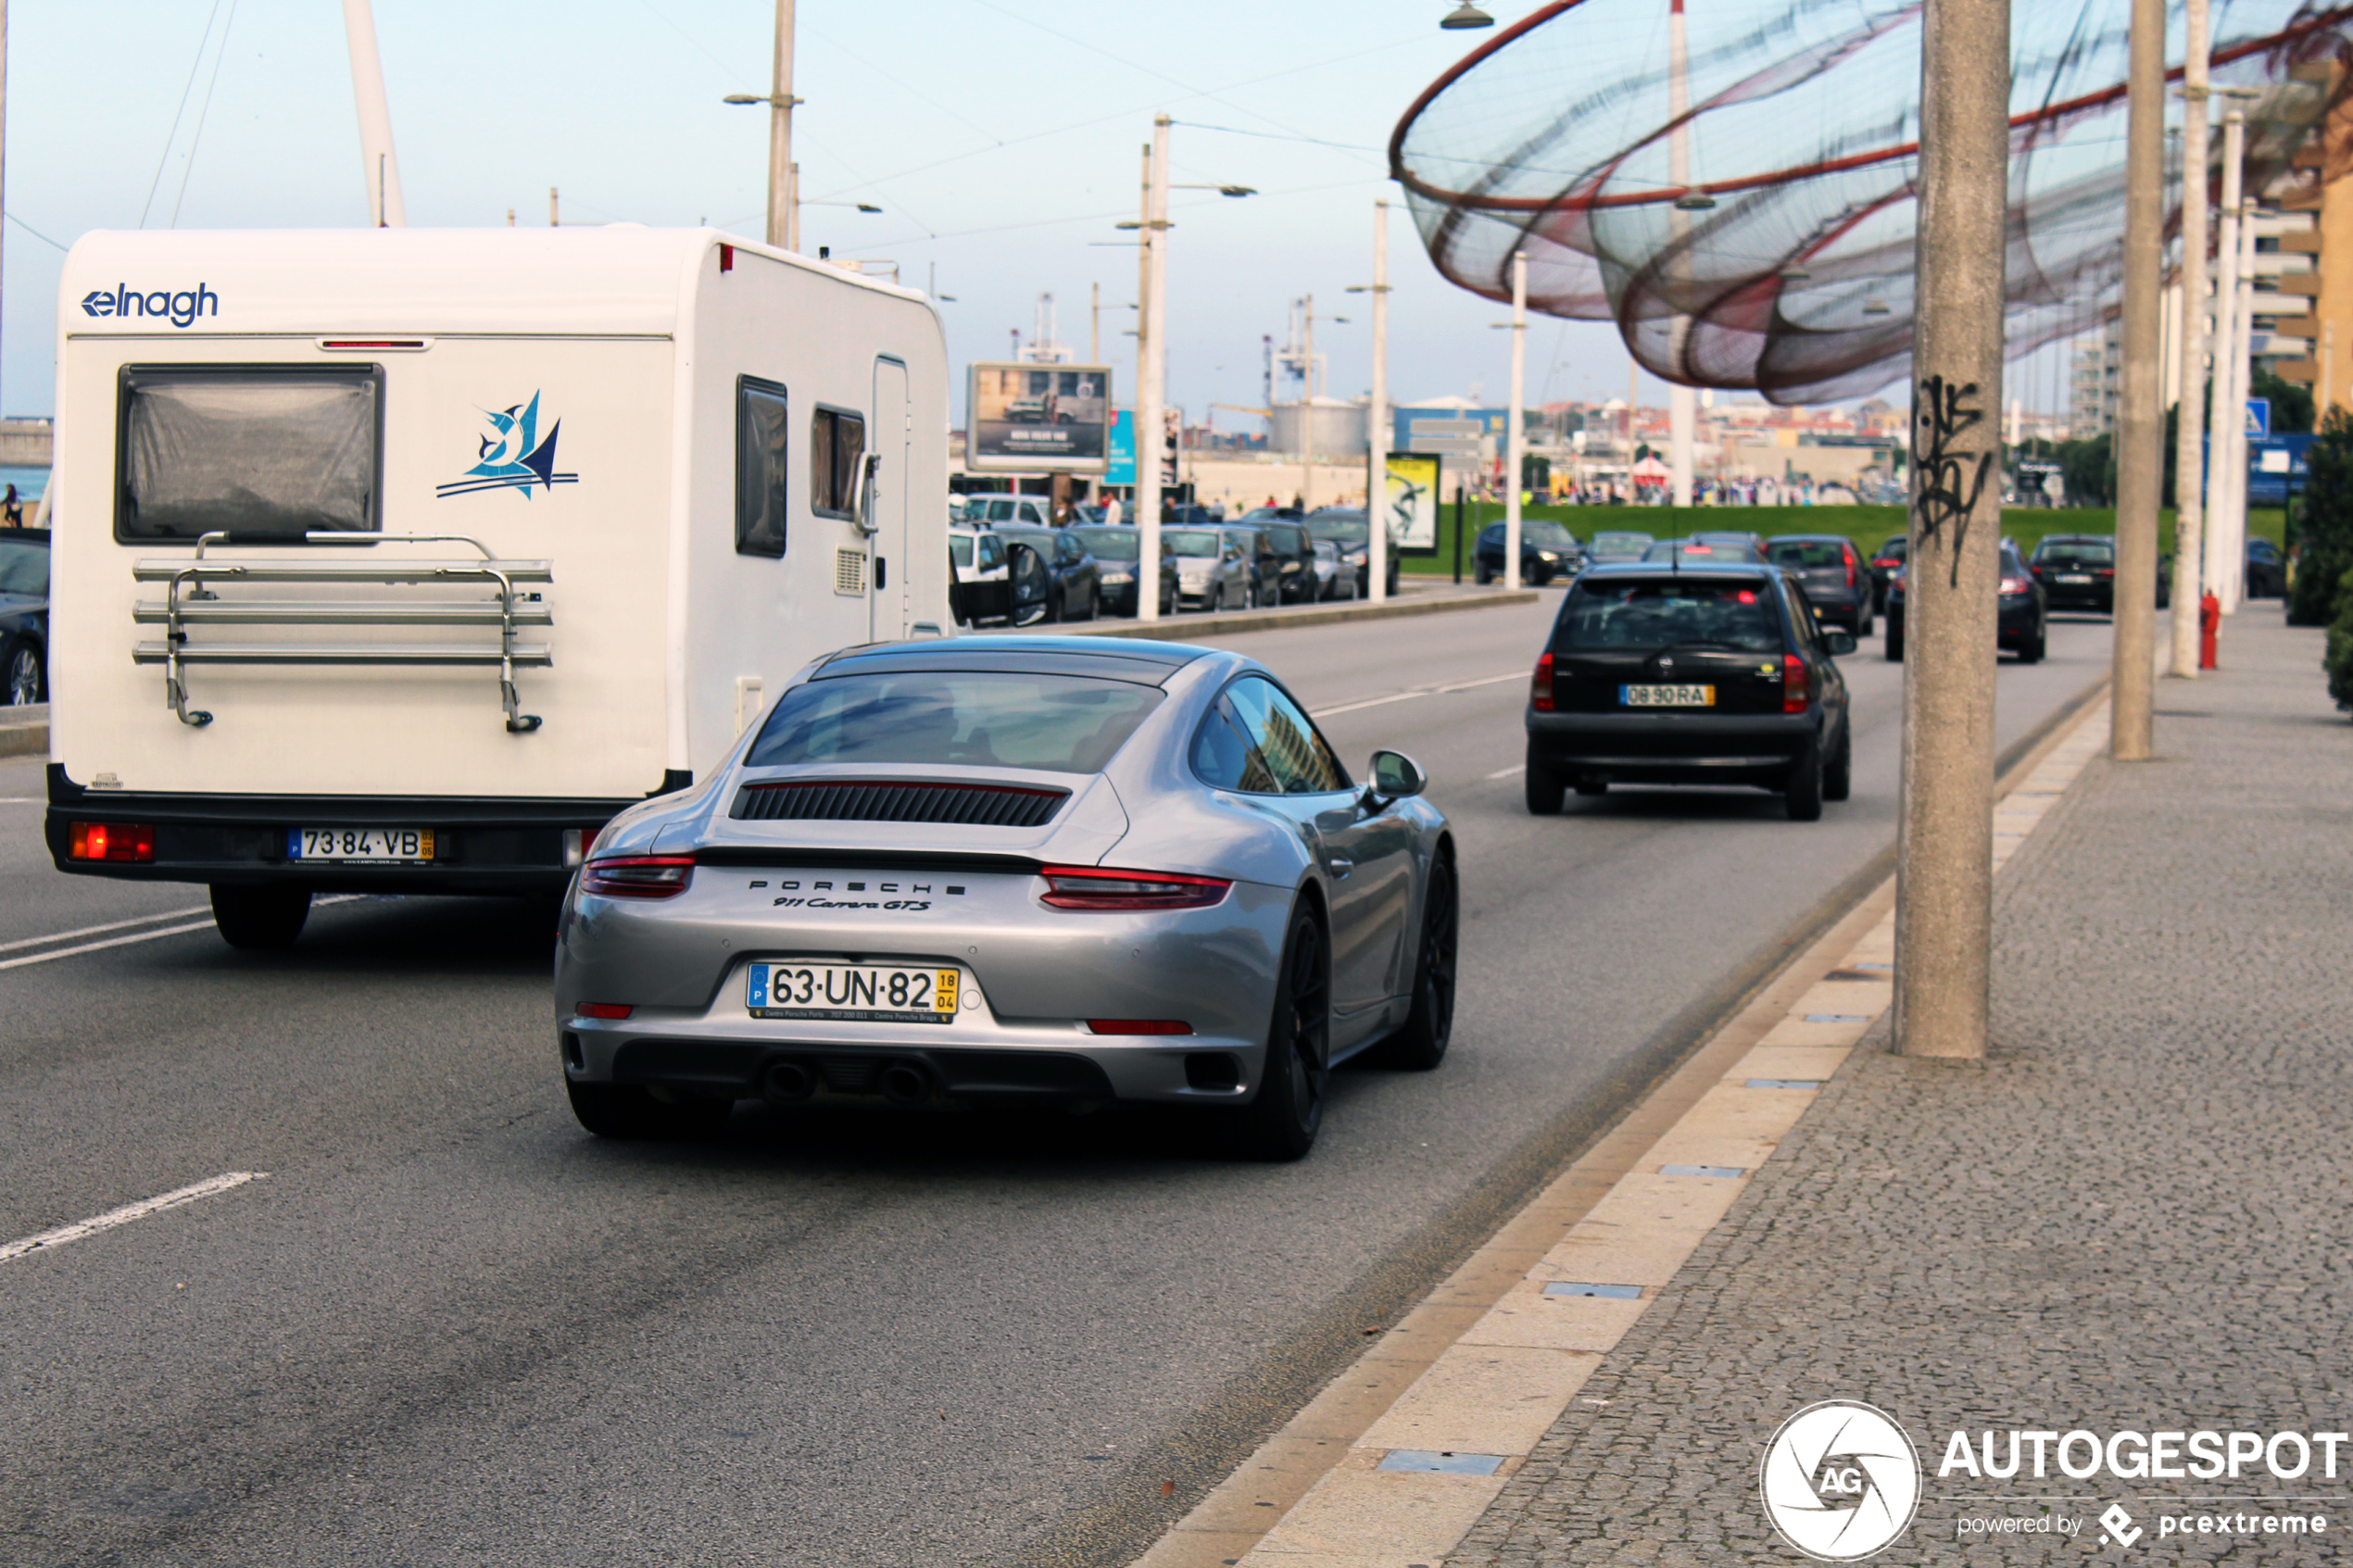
x=113, y=841
x=1540, y=690
x=1093, y=887
x=1794, y=694
x=638, y=876
x=1850, y=566
x=2016, y=585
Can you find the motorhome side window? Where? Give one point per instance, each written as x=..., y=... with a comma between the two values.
x=837, y=441
x=760, y=430
x=248, y=448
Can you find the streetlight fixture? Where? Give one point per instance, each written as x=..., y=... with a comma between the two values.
x=1695, y=201
x=1467, y=15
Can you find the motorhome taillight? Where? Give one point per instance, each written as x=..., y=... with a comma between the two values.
x=638, y=876
x=1794, y=694
x=726, y=259
x=1540, y=690
x=578, y=842
x=113, y=841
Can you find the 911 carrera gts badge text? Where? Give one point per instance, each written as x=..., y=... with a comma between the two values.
x=814, y=903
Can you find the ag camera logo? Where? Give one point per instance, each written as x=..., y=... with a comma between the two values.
x=1841, y=1481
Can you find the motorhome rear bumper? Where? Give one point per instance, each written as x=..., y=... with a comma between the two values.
x=489, y=844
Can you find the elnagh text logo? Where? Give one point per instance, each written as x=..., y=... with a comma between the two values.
x=179, y=306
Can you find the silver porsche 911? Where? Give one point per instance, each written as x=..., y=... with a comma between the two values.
x=1009, y=871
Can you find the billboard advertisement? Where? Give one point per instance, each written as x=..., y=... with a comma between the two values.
x=1413, y=505
x=1038, y=418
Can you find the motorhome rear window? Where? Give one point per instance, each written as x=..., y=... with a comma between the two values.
x=837, y=442
x=248, y=448
x=760, y=500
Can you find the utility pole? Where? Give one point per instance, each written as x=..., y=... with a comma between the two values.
x=2189, y=447
x=554, y=221
x=379, y=165
x=1945, y=835
x=2231, y=548
x=1377, y=432
x=1516, y=421
x=2227, y=415
x=1151, y=369
x=1307, y=414
x=784, y=194
x=2140, y=436
x=1095, y=324
x=1681, y=412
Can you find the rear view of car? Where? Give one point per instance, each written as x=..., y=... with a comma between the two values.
x=1837, y=583
x=2077, y=570
x=2021, y=616
x=24, y=616
x=1713, y=676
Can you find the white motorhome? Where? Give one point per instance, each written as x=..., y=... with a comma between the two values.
x=400, y=559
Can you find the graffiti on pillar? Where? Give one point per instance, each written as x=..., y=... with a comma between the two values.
x=1945, y=489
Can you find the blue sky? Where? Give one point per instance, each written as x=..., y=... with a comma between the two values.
x=1000, y=136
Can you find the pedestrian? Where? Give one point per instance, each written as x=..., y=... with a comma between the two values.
x=1111, y=511
x=11, y=510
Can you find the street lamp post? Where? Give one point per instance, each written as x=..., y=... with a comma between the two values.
x=2189, y=453
x=2228, y=411
x=783, y=175
x=1516, y=421
x=1152, y=371
x=2140, y=443
x=1376, y=431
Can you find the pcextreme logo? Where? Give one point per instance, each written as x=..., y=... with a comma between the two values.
x=179, y=306
x=513, y=456
x=1841, y=1481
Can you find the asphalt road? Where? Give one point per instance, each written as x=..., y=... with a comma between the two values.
x=450, y=1329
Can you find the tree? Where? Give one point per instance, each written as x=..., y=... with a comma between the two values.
x=2291, y=403
x=2325, y=524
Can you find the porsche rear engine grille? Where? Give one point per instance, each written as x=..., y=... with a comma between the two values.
x=850, y=801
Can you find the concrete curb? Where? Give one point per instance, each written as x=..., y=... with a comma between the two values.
x=1184, y=628
x=24, y=732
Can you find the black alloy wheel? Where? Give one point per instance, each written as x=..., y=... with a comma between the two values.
x=631, y=1112
x=1280, y=1124
x=1429, y=1027
x=260, y=918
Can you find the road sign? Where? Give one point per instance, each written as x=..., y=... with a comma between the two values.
x=2258, y=418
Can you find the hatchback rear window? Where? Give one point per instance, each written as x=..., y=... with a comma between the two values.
x=1669, y=612
x=2076, y=553
x=1802, y=553
x=1059, y=723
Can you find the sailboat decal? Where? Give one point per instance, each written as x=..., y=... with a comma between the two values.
x=512, y=457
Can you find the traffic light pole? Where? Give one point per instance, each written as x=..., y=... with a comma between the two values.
x=1945, y=835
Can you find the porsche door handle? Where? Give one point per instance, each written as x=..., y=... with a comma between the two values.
x=1342, y=865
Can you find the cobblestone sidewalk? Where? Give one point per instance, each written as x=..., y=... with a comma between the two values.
x=2134, y=1217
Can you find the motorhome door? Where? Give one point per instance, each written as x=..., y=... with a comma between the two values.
x=892, y=602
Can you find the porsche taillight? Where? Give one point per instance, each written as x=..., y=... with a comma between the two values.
x=638, y=876
x=1093, y=888
x=1539, y=689
x=1795, y=695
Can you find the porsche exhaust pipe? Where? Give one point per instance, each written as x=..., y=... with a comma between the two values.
x=905, y=1085
x=787, y=1083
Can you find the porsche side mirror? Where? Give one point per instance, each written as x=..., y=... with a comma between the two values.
x=1396, y=775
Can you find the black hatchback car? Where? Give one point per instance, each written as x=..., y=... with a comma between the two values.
x=1074, y=576
x=2077, y=570
x=24, y=615
x=1707, y=675
x=1546, y=550
x=1837, y=582
x=2021, y=618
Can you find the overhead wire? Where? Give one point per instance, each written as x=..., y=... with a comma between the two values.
x=204, y=112
x=173, y=134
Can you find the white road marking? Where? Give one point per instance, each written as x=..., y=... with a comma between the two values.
x=22, y=800
x=1420, y=691
x=1516, y=768
x=128, y=1212
x=95, y=930
x=135, y=936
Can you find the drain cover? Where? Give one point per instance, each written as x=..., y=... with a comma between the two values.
x=1784, y=1083
x=1577, y=1288
x=1718, y=1170
x=1421, y=1462
x=1837, y=1017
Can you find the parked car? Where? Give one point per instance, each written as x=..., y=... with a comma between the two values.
x=2266, y=570
x=1262, y=514
x=1074, y=590
x=1707, y=674
x=1696, y=551
x=1190, y=514
x=1265, y=565
x=1347, y=528
x=983, y=586
x=1120, y=553
x=1753, y=543
x=1837, y=583
x=1035, y=510
x=948, y=945
x=2077, y=570
x=2022, y=619
x=24, y=615
x=1886, y=562
x=1546, y=550
x=1213, y=572
x=1334, y=578
x=1294, y=565
x=1615, y=545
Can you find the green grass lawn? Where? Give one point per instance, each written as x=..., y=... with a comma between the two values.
x=1868, y=526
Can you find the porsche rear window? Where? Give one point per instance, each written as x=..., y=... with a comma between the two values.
x=1058, y=723
x=1662, y=612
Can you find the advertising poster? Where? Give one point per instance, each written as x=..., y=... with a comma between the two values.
x=1413, y=505
x=1038, y=418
